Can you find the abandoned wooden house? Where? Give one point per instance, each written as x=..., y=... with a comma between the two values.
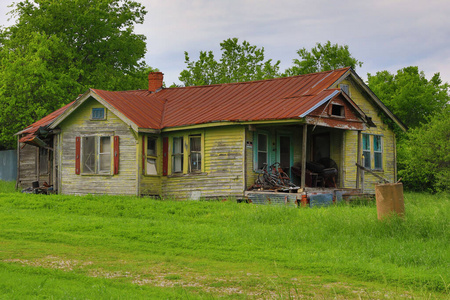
x=211, y=141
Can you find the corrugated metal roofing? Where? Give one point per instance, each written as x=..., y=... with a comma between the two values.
x=274, y=99
x=30, y=131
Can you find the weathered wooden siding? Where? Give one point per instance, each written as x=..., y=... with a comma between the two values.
x=27, y=165
x=150, y=184
x=351, y=139
x=80, y=124
x=223, y=173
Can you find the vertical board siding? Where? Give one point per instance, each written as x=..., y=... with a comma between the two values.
x=27, y=165
x=79, y=124
x=223, y=168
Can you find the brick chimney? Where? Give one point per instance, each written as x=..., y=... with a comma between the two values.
x=155, y=81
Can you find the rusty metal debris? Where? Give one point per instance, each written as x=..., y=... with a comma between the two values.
x=273, y=178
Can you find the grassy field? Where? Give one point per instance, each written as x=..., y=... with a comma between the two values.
x=69, y=247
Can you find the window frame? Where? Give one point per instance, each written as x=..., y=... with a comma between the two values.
x=197, y=152
x=257, y=151
x=151, y=156
x=98, y=154
x=177, y=155
x=93, y=115
x=372, y=152
x=44, y=159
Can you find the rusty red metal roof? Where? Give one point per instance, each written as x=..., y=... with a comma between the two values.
x=29, y=133
x=273, y=99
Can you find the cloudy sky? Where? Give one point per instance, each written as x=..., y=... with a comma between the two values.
x=383, y=34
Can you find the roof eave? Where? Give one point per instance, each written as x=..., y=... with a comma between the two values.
x=374, y=97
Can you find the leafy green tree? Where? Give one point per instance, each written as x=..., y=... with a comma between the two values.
x=409, y=95
x=322, y=58
x=58, y=49
x=424, y=155
x=239, y=62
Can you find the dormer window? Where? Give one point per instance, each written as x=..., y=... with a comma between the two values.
x=337, y=110
x=98, y=114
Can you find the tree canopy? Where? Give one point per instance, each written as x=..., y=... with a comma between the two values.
x=409, y=95
x=239, y=62
x=322, y=58
x=58, y=49
x=424, y=155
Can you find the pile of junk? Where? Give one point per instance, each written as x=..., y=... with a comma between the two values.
x=37, y=189
x=322, y=173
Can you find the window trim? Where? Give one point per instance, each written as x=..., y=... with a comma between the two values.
x=341, y=110
x=175, y=155
x=97, y=154
x=97, y=109
x=256, y=148
x=150, y=156
x=372, y=151
x=199, y=170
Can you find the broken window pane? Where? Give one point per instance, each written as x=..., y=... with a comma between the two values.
x=43, y=161
x=88, y=154
x=151, y=146
x=151, y=166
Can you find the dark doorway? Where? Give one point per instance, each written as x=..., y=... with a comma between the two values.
x=320, y=146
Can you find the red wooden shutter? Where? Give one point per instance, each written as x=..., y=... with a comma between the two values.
x=116, y=155
x=165, y=155
x=143, y=155
x=77, y=155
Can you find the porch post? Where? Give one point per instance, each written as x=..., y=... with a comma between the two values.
x=358, y=159
x=305, y=131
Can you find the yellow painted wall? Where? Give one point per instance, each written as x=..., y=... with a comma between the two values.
x=79, y=124
x=351, y=138
x=222, y=165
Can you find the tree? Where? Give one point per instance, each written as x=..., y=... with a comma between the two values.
x=58, y=49
x=425, y=155
x=322, y=58
x=409, y=95
x=239, y=62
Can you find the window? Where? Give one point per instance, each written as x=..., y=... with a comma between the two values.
x=345, y=88
x=151, y=155
x=337, y=110
x=366, y=150
x=262, y=150
x=43, y=160
x=96, y=155
x=98, y=114
x=376, y=151
x=177, y=155
x=195, y=153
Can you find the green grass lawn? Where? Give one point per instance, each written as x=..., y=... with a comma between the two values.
x=102, y=247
